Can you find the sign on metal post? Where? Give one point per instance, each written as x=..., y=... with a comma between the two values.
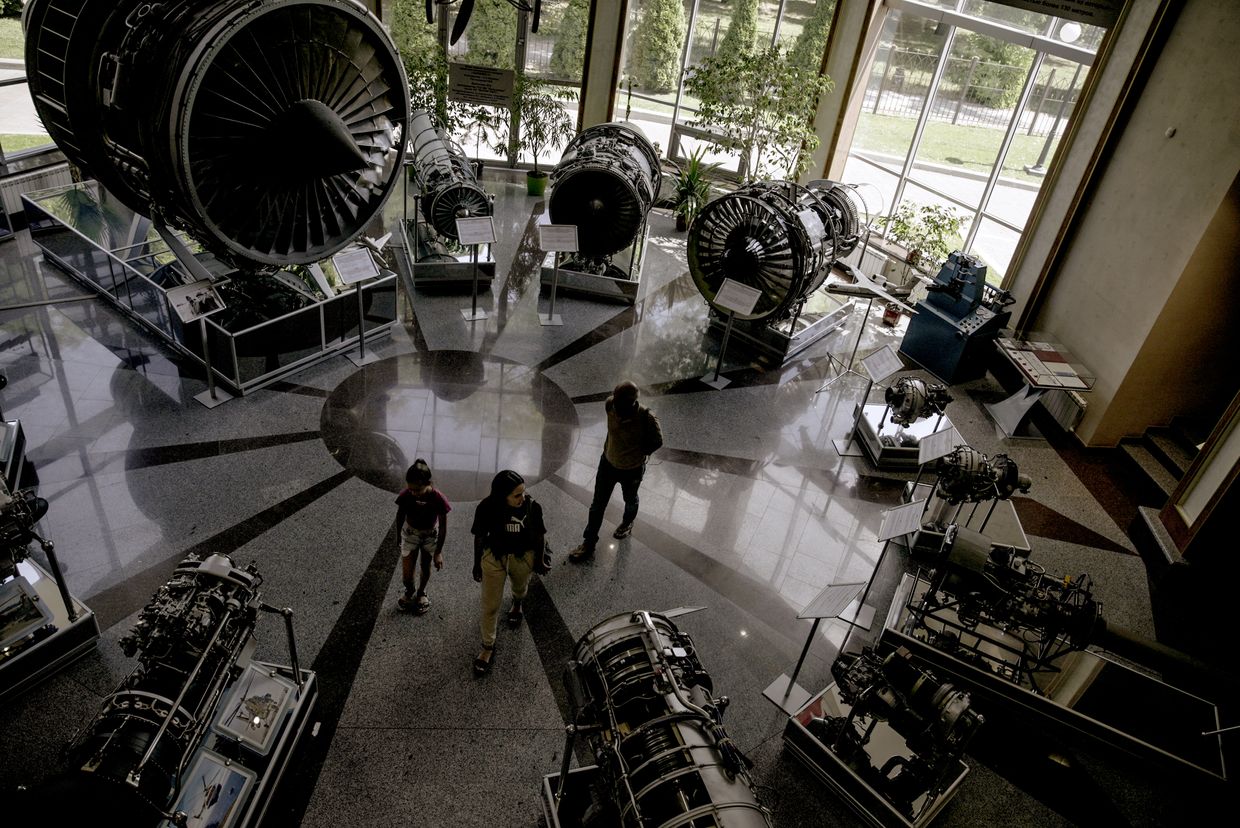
x=937, y=444
x=882, y=363
x=472, y=232
x=556, y=239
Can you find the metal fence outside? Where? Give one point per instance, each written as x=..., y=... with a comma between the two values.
x=968, y=92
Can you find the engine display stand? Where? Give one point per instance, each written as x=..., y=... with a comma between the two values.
x=884, y=744
x=256, y=763
x=614, y=285
x=54, y=646
x=1089, y=696
x=892, y=446
x=787, y=339
x=997, y=519
x=574, y=801
x=435, y=271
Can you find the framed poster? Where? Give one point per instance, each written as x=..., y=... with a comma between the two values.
x=213, y=791
x=21, y=611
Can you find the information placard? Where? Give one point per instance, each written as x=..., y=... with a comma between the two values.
x=882, y=363
x=937, y=444
x=480, y=85
x=355, y=265
x=901, y=520
x=738, y=298
x=475, y=230
x=191, y=302
x=558, y=238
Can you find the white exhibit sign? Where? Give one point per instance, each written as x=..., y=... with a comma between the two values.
x=481, y=85
x=901, y=520
x=937, y=444
x=558, y=238
x=737, y=298
x=355, y=265
x=882, y=363
x=475, y=230
x=192, y=302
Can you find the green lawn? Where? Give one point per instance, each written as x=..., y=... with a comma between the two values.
x=967, y=147
x=16, y=143
x=12, y=43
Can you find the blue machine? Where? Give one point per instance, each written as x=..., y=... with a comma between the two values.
x=957, y=320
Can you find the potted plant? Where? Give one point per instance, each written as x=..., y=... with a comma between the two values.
x=926, y=231
x=692, y=189
x=543, y=124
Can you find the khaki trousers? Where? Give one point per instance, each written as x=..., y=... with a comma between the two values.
x=518, y=568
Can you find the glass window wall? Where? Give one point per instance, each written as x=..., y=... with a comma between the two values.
x=497, y=36
x=665, y=40
x=957, y=113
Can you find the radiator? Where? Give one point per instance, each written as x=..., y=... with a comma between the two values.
x=44, y=178
x=1066, y=407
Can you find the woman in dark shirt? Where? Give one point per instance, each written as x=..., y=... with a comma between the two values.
x=508, y=541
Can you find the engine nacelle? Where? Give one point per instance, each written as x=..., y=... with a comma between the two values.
x=269, y=130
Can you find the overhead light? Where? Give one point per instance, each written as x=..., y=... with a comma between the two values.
x=1070, y=32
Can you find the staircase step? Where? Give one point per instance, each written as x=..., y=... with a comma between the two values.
x=1162, y=480
x=1156, y=540
x=1163, y=444
x=1191, y=431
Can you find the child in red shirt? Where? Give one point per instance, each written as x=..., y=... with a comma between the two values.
x=422, y=513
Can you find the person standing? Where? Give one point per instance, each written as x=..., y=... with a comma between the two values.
x=633, y=434
x=509, y=535
x=422, y=514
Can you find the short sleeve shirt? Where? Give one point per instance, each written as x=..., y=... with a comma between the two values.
x=421, y=511
x=508, y=531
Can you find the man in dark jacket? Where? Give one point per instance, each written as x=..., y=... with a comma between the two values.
x=633, y=434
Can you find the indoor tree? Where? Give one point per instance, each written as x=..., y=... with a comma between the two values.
x=760, y=105
x=657, y=42
x=543, y=123
x=926, y=231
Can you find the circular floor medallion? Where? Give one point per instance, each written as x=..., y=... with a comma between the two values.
x=467, y=414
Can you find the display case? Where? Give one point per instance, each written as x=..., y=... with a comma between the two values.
x=40, y=632
x=274, y=325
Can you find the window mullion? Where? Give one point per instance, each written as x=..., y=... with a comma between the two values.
x=1013, y=124
x=923, y=117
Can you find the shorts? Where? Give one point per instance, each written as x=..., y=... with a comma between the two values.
x=424, y=540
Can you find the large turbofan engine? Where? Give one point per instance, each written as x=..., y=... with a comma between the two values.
x=645, y=703
x=132, y=764
x=606, y=182
x=780, y=238
x=270, y=130
x=447, y=187
x=934, y=718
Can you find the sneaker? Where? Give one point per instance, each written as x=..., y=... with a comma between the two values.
x=581, y=553
x=622, y=531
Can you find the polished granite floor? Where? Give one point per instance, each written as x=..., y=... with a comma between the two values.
x=748, y=512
